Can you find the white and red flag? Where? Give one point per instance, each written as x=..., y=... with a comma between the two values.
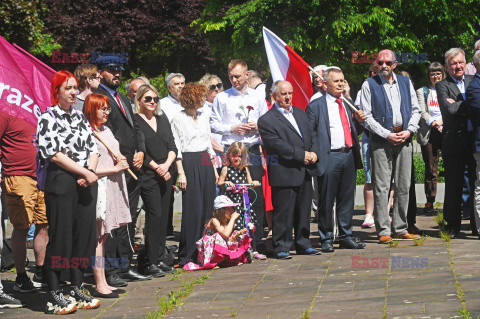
x=286, y=64
x=24, y=83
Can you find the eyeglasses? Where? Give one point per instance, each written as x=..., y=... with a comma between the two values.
x=106, y=110
x=213, y=86
x=436, y=74
x=94, y=77
x=149, y=99
x=388, y=63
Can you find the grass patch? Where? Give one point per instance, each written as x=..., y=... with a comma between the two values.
x=419, y=241
x=177, y=274
x=465, y=314
x=306, y=314
x=393, y=243
x=175, y=298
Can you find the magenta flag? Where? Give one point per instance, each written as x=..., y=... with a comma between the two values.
x=24, y=83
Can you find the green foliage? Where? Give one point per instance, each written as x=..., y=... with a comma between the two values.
x=325, y=32
x=158, y=82
x=22, y=23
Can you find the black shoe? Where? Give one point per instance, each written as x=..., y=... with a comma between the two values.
x=327, y=247
x=38, y=279
x=23, y=283
x=83, y=299
x=132, y=275
x=60, y=305
x=97, y=294
x=349, y=243
x=166, y=268
x=115, y=281
x=7, y=301
x=119, y=291
x=309, y=251
x=283, y=255
x=456, y=234
x=153, y=271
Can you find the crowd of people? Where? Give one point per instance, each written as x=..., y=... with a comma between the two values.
x=237, y=155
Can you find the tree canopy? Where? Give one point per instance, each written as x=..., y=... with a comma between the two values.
x=326, y=32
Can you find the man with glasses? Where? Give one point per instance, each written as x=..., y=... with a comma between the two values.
x=457, y=138
x=170, y=105
x=132, y=145
x=392, y=115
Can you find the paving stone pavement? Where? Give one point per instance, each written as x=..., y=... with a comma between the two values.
x=413, y=282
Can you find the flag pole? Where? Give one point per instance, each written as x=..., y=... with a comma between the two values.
x=113, y=153
x=352, y=107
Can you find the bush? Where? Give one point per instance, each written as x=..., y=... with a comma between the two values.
x=419, y=166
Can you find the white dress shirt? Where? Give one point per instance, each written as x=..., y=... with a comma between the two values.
x=190, y=136
x=227, y=113
x=337, y=135
x=393, y=94
x=317, y=95
x=289, y=116
x=170, y=107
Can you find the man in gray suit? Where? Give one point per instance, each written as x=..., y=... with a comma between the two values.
x=456, y=137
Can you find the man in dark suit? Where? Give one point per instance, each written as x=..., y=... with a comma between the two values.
x=338, y=160
x=292, y=151
x=132, y=146
x=473, y=105
x=456, y=137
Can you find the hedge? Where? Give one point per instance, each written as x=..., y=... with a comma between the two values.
x=419, y=165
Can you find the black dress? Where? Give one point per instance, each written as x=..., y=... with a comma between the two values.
x=238, y=176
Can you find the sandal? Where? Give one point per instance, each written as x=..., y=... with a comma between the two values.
x=259, y=256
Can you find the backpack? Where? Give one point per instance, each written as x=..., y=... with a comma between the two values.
x=7, y=256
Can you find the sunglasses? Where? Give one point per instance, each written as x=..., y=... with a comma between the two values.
x=388, y=63
x=213, y=86
x=149, y=99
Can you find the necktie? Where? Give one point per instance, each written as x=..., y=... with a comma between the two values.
x=119, y=103
x=346, y=127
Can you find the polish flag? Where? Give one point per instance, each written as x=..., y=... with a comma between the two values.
x=286, y=64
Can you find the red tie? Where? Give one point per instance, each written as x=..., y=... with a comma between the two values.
x=120, y=103
x=346, y=127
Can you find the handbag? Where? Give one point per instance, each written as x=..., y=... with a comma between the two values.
x=101, y=198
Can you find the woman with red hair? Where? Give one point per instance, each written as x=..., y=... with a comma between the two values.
x=112, y=204
x=66, y=142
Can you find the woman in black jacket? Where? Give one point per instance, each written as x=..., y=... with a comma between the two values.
x=156, y=179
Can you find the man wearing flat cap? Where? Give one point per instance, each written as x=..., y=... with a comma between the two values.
x=132, y=145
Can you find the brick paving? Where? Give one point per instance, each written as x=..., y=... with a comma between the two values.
x=325, y=286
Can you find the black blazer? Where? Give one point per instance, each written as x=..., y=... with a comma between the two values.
x=456, y=140
x=286, y=148
x=317, y=113
x=124, y=128
x=473, y=105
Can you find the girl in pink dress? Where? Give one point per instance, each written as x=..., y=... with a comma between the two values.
x=112, y=204
x=220, y=245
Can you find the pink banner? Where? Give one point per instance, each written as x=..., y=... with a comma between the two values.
x=24, y=83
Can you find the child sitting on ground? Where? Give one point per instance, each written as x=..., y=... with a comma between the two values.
x=220, y=245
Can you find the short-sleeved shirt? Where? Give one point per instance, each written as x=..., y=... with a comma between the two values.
x=70, y=134
x=17, y=148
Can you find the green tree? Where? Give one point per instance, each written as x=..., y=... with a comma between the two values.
x=326, y=32
x=22, y=23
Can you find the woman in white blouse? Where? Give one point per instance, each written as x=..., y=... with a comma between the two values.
x=197, y=175
x=429, y=134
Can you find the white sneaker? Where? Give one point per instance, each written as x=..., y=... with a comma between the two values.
x=368, y=222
